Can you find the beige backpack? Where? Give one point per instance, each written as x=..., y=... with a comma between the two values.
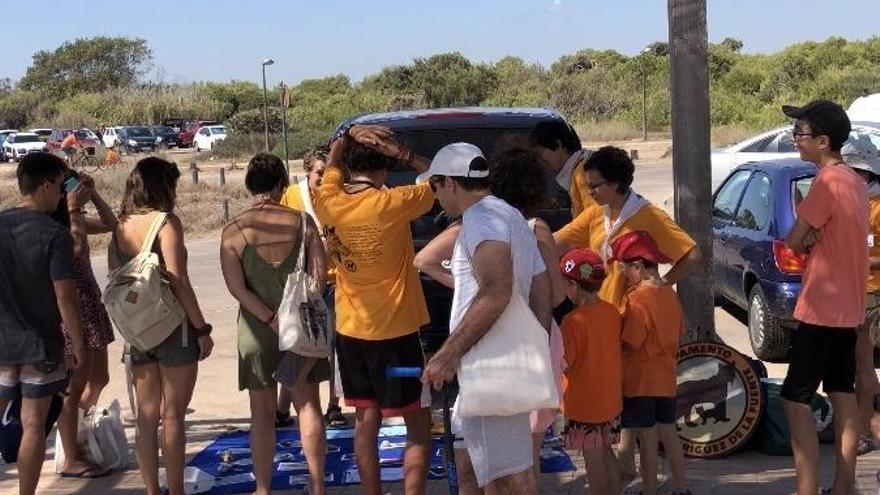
x=138, y=297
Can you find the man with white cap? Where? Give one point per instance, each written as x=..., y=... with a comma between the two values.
x=863, y=157
x=495, y=252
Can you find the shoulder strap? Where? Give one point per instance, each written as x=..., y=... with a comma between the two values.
x=240, y=230
x=301, y=257
x=155, y=227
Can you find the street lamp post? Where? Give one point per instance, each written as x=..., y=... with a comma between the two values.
x=644, y=96
x=266, y=62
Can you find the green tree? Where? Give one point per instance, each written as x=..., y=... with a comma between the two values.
x=88, y=65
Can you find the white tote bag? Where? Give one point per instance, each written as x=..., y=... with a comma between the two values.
x=303, y=321
x=508, y=371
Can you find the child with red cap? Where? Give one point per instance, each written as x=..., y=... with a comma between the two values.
x=653, y=324
x=591, y=397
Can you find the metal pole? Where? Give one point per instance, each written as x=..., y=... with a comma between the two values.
x=688, y=52
x=284, y=127
x=265, y=110
x=644, y=103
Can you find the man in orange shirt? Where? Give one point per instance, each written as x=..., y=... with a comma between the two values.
x=591, y=397
x=653, y=324
x=379, y=302
x=832, y=227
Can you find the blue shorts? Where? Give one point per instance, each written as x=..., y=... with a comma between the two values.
x=645, y=412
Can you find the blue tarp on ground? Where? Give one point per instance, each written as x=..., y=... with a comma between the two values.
x=229, y=459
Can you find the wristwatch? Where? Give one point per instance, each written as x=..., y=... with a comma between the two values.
x=877, y=403
x=205, y=330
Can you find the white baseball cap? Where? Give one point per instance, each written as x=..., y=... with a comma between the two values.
x=457, y=160
x=861, y=154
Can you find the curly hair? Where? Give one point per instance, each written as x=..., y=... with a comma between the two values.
x=360, y=158
x=314, y=155
x=151, y=185
x=516, y=176
x=265, y=172
x=614, y=165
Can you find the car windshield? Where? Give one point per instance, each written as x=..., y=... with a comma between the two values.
x=82, y=135
x=799, y=189
x=27, y=138
x=163, y=130
x=218, y=130
x=139, y=132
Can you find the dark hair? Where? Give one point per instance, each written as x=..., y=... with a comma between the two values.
x=550, y=133
x=614, y=165
x=826, y=118
x=360, y=158
x=265, y=172
x=517, y=176
x=151, y=185
x=35, y=169
x=472, y=183
x=645, y=263
x=589, y=286
x=313, y=155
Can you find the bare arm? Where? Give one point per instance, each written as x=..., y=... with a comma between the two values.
x=562, y=245
x=551, y=256
x=171, y=242
x=76, y=199
x=799, y=235
x=539, y=299
x=106, y=221
x=493, y=270
x=430, y=259
x=68, y=305
x=230, y=263
x=317, y=260
x=684, y=266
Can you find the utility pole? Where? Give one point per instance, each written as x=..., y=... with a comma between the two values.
x=285, y=104
x=688, y=52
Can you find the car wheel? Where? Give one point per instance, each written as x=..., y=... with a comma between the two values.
x=769, y=338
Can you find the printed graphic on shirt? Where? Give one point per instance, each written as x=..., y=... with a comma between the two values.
x=719, y=399
x=336, y=250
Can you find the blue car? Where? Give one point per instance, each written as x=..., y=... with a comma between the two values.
x=753, y=210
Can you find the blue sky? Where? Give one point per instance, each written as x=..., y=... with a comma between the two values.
x=219, y=40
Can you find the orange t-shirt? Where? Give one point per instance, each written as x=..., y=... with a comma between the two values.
x=591, y=385
x=836, y=276
x=874, y=241
x=653, y=324
x=367, y=235
x=587, y=230
x=69, y=140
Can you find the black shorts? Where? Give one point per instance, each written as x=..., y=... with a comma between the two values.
x=645, y=412
x=362, y=365
x=820, y=355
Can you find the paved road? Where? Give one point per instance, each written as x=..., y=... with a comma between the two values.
x=219, y=405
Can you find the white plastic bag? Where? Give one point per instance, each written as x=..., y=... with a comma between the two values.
x=108, y=446
x=194, y=480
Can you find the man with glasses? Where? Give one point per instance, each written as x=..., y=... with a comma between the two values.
x=37, y=294
x=832, y=228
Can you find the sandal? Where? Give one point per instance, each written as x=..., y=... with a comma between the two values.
x=335, y=418
x=283, y=419
x=90, y=472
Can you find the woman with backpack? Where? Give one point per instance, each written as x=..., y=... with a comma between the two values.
x=164, y=374
x=259, y=249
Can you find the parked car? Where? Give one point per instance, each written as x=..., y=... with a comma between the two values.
x=190, y=129
x=771, y=145
x=3, y=135
x=132, y=139
x=86, y=137
x=110, y=137
x=165, y=136
x=425, y=132
x=865, y=108
x=208, y=136
x=19, y=144
x=752, y=213
x=43, y=132
x=175, y=123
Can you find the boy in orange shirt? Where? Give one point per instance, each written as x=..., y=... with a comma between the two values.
x=591, y=397
x=653, y=323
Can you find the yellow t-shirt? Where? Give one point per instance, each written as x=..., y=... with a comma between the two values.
x=293, y=198
x=378, y=291
x=874, y=246
x=578, y=191
x=588, y=231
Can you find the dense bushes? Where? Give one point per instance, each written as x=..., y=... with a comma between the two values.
x=590, y=87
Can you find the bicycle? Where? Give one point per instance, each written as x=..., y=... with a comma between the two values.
x=84, y=159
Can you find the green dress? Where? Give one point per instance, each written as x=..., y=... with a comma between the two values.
x=258, y=354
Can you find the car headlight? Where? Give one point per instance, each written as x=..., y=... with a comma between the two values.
x=132, y=142
x=158, y=139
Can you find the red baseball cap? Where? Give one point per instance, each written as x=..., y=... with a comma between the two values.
x=637, y=244
x=583, y=265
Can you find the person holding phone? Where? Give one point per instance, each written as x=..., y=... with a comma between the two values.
x=90, y=379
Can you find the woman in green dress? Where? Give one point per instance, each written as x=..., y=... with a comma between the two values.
x=259, y=249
